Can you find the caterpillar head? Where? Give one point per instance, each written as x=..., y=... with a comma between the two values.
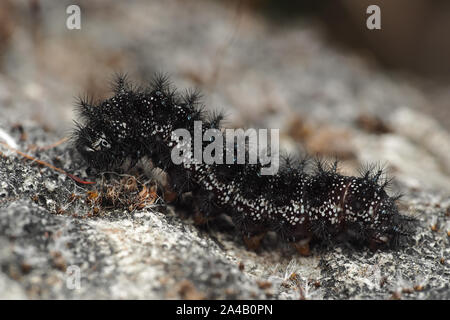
x=106, y=137
x=96, y=147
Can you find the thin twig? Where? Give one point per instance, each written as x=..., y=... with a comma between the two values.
x=43, y=163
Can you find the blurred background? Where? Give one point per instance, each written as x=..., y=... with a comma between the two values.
x=312, y=69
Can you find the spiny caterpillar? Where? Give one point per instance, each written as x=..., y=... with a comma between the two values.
x=298, y=203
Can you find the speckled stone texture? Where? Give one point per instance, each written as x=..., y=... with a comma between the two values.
x=155, y=253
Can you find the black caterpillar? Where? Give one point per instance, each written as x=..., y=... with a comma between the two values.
x=298, y=203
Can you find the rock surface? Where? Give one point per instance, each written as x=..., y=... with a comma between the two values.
x=48, y=239
x=55, y=244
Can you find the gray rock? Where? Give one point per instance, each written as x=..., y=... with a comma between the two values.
x=52, y=247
